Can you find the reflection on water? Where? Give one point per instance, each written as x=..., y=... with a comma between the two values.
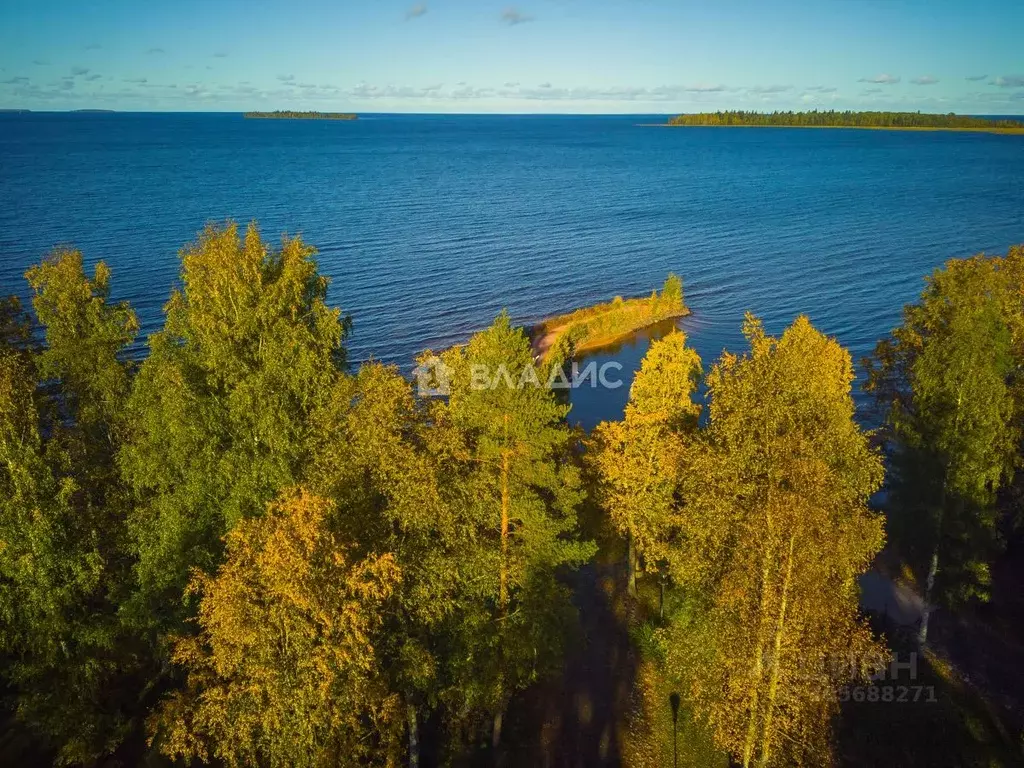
x=708, y=335
x=593, y=403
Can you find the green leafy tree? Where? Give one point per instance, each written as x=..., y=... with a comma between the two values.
x=64, y=565
x=672, y=291
x=520, y=484
x=220, y=408
x=943, y=378
x=15, y=325
x=776, y=530
x=384, y=462
x=637, y=459
x=84, y=335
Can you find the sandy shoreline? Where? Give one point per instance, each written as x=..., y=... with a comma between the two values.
x=541, y=344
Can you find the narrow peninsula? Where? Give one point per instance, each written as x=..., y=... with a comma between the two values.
x=892, y=121
x=290, y=115
x=565, y=336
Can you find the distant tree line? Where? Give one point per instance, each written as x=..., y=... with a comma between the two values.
x=240, y=551
x=290, y=115
x=849, y=119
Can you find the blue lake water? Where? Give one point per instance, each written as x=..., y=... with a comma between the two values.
x=429, y=225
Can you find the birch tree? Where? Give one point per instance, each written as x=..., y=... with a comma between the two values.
x=283, y=670
x=637, y=459
x=775, y=530
x=383, y=461
x=220, y=408
x=943, y=379
x=65, y=567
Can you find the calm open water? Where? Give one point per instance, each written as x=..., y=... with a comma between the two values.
x=429, y=225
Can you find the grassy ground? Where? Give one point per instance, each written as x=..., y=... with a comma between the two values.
x=971, y=709
x=655, y=735
x=927, y=715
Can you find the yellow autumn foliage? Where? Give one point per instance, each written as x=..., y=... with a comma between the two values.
x=283, y=670
x=779, y=529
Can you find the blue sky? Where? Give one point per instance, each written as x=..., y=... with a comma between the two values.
x=638, y=56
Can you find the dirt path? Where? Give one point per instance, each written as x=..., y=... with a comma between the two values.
x=541, y=344
x=574, y=719
x=891, y=599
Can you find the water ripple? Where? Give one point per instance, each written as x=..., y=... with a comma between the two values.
x=428, y=226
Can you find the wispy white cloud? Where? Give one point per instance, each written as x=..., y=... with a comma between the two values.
x=78, y=71
x=975, y=78
x=924, y=80
x=770, y=89
x=881, y=79
x=1009, y=81
x=1015, y=98
x=705, y=88
x=156, y=51
x=542, y=92
x=818, y=95
x=513, y=16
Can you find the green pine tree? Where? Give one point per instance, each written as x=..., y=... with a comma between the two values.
x=520, y=484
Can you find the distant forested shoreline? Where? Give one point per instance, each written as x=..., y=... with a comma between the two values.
x=284, y=114
x=849, y=119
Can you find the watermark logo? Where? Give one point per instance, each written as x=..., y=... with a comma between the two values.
x=434, y=377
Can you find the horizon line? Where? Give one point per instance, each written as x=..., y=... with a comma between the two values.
x=102, y=110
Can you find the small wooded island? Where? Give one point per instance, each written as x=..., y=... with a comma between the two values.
x=285, y=114
x=908, y=121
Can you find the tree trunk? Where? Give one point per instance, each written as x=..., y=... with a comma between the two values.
x=926, y=609
x=414, y=737
x=933, y=568
x=762, y=618
x=503, y=577
x=630, y=565
x=496, y=729
x=661, y=600
x=748, y=742
x=773, y=678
